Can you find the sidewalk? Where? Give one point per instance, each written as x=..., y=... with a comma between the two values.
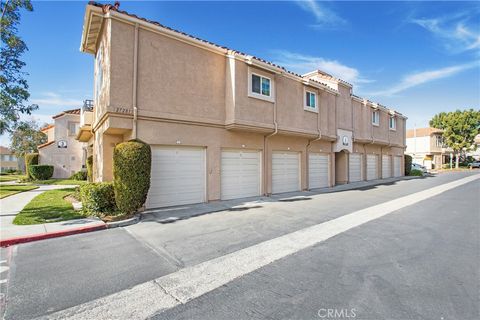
x=172, y=214
x=12, y=205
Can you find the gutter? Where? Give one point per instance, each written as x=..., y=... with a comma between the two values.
x=265, y=162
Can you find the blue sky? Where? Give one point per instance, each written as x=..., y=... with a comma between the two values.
x=419, y=58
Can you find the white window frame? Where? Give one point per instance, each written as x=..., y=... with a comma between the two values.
x=305, y=106
x=271, y=97
x=376, y=119
x=394, y=127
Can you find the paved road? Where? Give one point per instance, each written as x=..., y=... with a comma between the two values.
x=418, y=262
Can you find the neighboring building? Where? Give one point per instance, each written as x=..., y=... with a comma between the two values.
x=62, y=150
x=8, y=161
x=223, y=124
x=426, y=147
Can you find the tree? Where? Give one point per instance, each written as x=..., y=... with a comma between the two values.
x=26, y=137
x=14, y=88
x=459, y=129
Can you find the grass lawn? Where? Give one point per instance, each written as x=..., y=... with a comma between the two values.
x=9, y=189
x=11, y=177
x=61, y=182
x=48, y=207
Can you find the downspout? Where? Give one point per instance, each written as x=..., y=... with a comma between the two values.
x=134, y=92
x=265, y=162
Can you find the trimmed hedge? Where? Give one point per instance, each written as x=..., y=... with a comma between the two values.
x=90, y=168
x=408, y=164
x=30, y=159
x=80, y=175
x=131, y=171
x=40, y=171
x=98, y=198
x=416, y=172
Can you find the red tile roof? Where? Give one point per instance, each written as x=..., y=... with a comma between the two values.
x=5, y=150
x=47, y=127
x=45, y=144
x=72, y=111
x=422, y=132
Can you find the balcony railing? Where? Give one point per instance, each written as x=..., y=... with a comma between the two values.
x=86, y=113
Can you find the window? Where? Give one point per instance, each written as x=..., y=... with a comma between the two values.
x=310, y=102
x=392, y=124
x=439, y=141
x=375, y=118
x=260, y=85
x=72, y=128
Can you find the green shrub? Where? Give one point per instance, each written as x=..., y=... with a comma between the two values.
x=131, y=171
x=10, y=171
x=90, y=168
x=408, y=164
x=30, y=159
x=416, y=172
x=40, y=171
x=98, y=198
x=80, y=175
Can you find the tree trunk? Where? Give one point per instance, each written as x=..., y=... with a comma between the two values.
x=457, y=160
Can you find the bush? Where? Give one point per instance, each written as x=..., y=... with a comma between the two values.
x=131, y=171
x=408, y=164
x=90, y=168
x=40, y=171
x=416, y=172
x=80, y=175
x=30, y=159
x=98, y=198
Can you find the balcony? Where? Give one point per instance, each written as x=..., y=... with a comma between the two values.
x=86, y=120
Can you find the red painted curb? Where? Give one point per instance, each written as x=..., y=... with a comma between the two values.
x=49, y=235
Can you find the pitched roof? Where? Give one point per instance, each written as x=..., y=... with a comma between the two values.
x=72, y=111
x=47, y=127
x=422, y=132
x=5, y=150
x=45, y=144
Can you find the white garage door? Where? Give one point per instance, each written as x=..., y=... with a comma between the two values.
x=372, y=166
x=355, y=167
x=285, y=172
x=178, y=176
x=397, y=166
x=318, y=170
x=240, y=174
x=386, y=167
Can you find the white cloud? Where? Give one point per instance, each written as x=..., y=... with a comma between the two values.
x=324, y=17
x=457, y=31
x=51, y=99
x=419, y=78
x=303, y=63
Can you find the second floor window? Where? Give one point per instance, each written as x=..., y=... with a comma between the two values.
x=261, y=85
x=392, y=123
x=375, y=118
x=439, y=141
x=310, y=100
x=72, y=128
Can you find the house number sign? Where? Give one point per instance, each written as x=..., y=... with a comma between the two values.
x=62, y=144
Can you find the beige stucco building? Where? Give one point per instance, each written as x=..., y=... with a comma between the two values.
x=62, y=149
x=8, y=161
x=426, y=147
x=223, y=124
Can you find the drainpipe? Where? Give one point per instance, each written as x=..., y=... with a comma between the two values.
x=134, y=92
x=308, y=145
x=265, y=162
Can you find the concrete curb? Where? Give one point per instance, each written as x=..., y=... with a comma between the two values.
x=50, y=235
x=124, y=223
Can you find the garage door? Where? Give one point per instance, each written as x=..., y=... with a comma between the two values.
x=178, y=176
x=240, y=174
x=355, y=167
x=318, y=170
x=372, y=166
x=285, y=172
x=397, y=166
x=386, y=167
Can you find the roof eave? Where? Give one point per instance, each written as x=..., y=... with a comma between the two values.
x=92, y=23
